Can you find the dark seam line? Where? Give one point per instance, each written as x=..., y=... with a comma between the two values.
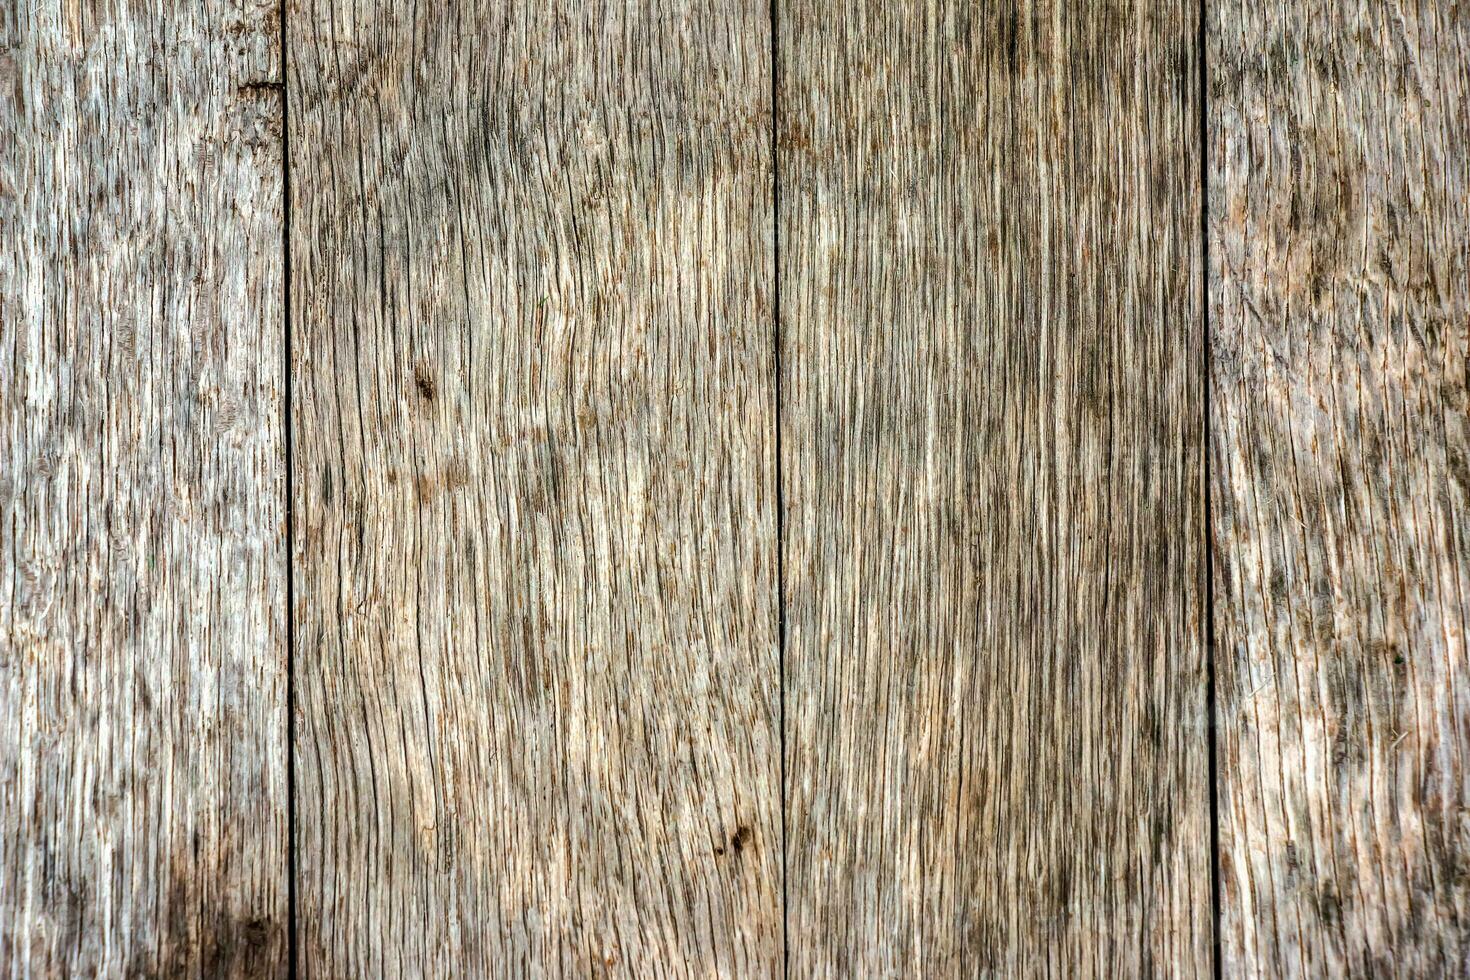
x=780, y=495
x=1210, y=687
x=292, y=950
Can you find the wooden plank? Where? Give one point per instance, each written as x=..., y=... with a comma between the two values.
x=536, y=616
x=1340, y=320
x=143, y=732
x=992, y=458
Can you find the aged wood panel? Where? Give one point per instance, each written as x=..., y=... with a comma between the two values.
x=535, y=543
x=142, y=494
x=1340, y=317
x=992, y=414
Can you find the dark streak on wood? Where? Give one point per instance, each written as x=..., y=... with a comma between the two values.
x=993, y=471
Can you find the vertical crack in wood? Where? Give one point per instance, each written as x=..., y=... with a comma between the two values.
x=292, y=957
x=780, y=498
x=1211, y=694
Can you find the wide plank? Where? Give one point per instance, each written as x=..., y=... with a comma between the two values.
x=1339, y=157
x=992, y=457
x=534, y=526
x=143, y=742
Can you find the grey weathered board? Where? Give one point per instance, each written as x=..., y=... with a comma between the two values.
x=535, y=496
x=1339, y=152
x=143, y=746
x=993, y=469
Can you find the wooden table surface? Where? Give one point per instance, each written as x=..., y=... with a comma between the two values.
x=707, y=488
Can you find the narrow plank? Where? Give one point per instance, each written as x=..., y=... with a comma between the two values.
x=992, y=458
x=1340, y=321
x=142, y=494
x=535, y=541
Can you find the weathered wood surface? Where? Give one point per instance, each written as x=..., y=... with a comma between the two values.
x=535, y=543
x=992, y=458
x=1339, y=152
x=142, y=493
x=536, y=616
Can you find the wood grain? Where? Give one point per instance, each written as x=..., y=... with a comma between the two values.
x=992, y=458
x=1340, y=313
x=142, y=495
x=535, y=501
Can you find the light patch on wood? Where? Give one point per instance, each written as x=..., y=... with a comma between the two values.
x=1340, y=315
x=142, y=493
x=535, y=510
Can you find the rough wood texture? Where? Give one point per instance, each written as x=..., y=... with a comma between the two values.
x=535, y=501
x=1340, y=319
x=142, y=493
x=993, y=469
